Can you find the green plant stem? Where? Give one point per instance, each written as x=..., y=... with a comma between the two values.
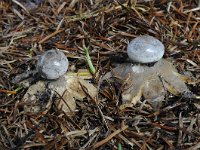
x=119, y=146
x=92, y=68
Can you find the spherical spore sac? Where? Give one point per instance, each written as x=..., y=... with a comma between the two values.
x=52, y=64
x=145, y=49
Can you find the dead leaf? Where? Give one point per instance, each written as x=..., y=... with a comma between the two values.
x=68, y=86
x=31, y=97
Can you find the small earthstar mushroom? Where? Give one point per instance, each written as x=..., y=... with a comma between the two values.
x=145, y=49
x=52, y=64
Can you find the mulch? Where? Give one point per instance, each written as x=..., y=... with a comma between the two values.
x=28, y=28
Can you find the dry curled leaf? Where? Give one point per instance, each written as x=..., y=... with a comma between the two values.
x=150, y=82
x=68, y=88
x=31, y=97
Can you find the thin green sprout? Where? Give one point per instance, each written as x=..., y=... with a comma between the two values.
x=119, y=146
x=92, y=68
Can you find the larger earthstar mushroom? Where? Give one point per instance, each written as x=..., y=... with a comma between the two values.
x=138, y=79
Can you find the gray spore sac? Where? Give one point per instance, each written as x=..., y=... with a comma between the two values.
x=52, y=64
x=145, y=49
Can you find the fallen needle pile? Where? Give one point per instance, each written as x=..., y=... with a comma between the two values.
x=105, y=100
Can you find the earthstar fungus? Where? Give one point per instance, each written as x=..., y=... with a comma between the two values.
x=138, y=79
x=145, y=49
x=52, y=67
x=52, y=64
